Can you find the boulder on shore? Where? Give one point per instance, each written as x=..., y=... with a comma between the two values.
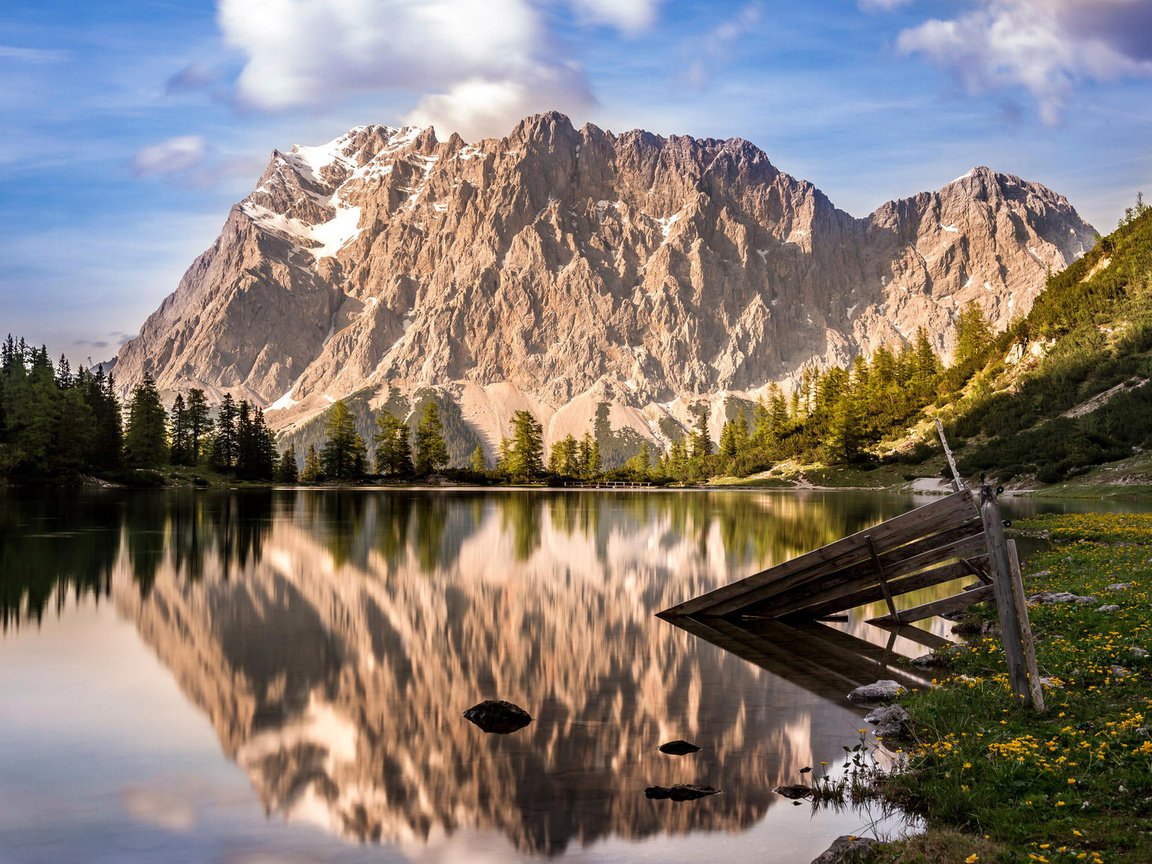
x=848, y=850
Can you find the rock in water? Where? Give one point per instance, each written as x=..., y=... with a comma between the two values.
x=679, y=748
x=879, y=691
x=794, y=791
x=680, y=792
x=890, y=722
x=847, y=850
x=498, y=717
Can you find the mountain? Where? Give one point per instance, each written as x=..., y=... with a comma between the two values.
x=557, y=269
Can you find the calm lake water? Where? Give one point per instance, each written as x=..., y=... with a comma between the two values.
x=279, y=676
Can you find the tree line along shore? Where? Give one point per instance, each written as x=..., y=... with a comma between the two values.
x=57, y=424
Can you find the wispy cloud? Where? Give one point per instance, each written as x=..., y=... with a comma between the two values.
x=1046, y=47
x=32, y=55
x=189, y=160
x=883, y=5
x=710, y=51
x=174, y=156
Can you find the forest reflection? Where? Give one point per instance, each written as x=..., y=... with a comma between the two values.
x=334, y=638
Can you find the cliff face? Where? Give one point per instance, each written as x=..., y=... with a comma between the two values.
x=557, y=268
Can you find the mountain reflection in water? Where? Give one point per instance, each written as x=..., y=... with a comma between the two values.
x=335, y=638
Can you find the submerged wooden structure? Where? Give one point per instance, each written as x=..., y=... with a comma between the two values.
x=939, y=542
x=959, y=536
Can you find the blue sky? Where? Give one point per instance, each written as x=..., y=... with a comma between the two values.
x=127, y=130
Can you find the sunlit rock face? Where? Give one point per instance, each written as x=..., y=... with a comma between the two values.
x=334, y=642
x=558, y=268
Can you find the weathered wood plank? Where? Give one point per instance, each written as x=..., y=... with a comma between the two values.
x=816, y=607
x=851, y=550
x=1027, y=643
x=939, y=607
x=848, y=584
x=916, y=634
x=1005, y=596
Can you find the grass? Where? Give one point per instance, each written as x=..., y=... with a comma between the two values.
x=1074, y=783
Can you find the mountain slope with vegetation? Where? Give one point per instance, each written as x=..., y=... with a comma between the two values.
x=1064, y=389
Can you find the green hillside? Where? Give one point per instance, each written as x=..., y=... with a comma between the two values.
x=1063, y=389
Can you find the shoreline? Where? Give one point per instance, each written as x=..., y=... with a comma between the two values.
x=996, y=781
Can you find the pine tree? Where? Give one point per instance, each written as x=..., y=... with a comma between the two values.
x=526, y=459
x=701, y=441
x=312, y=472
x=342, y=449
x=925, y=367
x=393, y=449
x=199, y=424
x=502, y=454
x=225, y=445
x=973, y=335
x=255, y=444
x=146, y=439
x=179, y=454
x=588, y=457
x=564, y=459
x=359, y=456
x=286, y=468
x=639, y=466
x=72, y=441
x=431, y=451
x=478, y=463
x=107, y=441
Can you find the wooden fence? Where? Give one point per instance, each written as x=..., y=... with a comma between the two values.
x=959, y=536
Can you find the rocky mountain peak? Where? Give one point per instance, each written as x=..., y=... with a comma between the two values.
x=553, y=266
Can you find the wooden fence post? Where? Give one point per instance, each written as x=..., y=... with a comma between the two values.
x=1010, y=605
x=1027, y=642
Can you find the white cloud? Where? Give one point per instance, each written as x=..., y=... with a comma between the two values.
x=1045, y=46
x=477, y=107
x=473, y=67
x=628, y=15
x=174, y=156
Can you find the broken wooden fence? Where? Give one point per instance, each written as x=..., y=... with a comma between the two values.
x=946, y=540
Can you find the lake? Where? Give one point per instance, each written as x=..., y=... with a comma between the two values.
x=255, y=676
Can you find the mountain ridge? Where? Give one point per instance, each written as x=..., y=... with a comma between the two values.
x=644, y=271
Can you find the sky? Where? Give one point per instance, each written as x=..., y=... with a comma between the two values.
x=128, y=129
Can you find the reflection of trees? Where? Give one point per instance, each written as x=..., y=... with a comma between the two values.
x=53, y=544
x=336, y=669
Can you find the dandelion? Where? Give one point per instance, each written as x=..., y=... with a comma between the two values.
x=972, y=859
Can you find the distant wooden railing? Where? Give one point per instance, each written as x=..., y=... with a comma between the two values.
x=608, y=484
